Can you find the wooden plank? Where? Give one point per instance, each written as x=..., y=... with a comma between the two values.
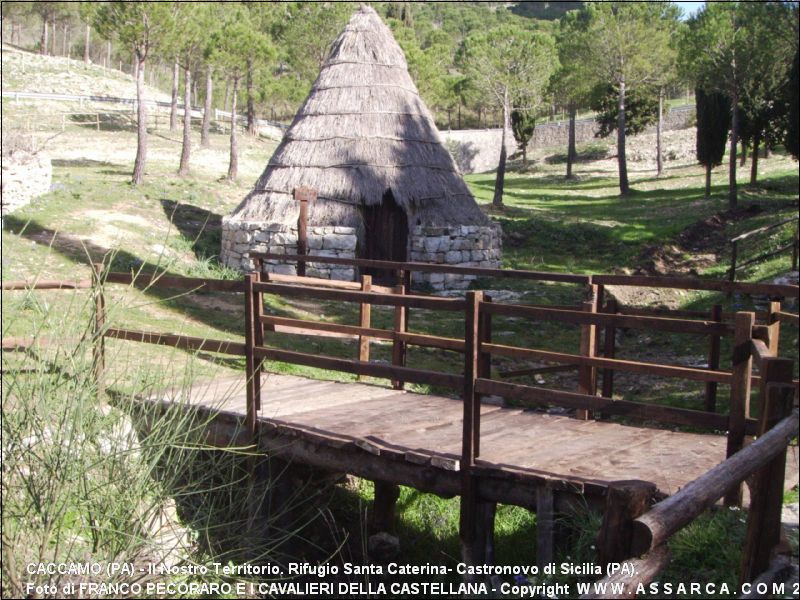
x=787, y=316
x=318, y=282
x=433, y=268
x=356, y=367
x=184, y=342
x=249, y=353
x=408, y=301
x=664, y=414
x=686, y=283
x=545, y=527
x=739, y=411
x=646, y=368
x=670, y=515
x=618, y=320
x=146, y=280
x=46, y=284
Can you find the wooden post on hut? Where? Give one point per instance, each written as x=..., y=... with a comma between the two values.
x=303, y=195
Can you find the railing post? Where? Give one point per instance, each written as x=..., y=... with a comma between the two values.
x=710, y=401
x=742, y=363
x=365, y=317
x=398, y=346
x=625, y=501
x=766, y=486
x=485, y=335
x=258, y=338
x=609, y=349
x=249, y=341
x=587, y=376
x=98, y=335
x=472, y=547
x=774, y=326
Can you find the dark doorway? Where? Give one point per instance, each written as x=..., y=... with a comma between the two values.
x=386, y=237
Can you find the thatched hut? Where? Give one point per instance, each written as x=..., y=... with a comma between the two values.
x=387, y=188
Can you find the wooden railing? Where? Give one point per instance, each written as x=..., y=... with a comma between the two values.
x=734, y=242
x=629, y=530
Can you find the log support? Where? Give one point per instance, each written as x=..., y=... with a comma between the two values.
x=626, y=500
x=384, y=504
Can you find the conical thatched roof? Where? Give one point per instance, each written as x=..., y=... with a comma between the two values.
x=363, y=130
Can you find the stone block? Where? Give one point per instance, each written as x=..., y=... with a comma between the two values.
x=339, y=242
x=315, y=242
x=453, y=257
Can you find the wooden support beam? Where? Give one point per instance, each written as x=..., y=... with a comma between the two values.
x=545, y=526
x=383, y=506
x=609, y=350
x=398, y=346
x=472, y=546
x=249, y=337
x=626, y=501
x=303, y=195
x=766, y=488
x=364, y=320
x=587, y=374
x=774, y=326
x=710, y=400
x=742, y=364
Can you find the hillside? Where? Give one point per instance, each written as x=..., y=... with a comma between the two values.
x=28, y=72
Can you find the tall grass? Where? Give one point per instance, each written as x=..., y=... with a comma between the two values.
x=100, y=477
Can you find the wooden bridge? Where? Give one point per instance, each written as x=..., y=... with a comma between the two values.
x=490, y=452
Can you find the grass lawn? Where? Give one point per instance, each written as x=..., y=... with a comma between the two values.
x=172, y=225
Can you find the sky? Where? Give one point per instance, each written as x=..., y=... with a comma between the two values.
x=689, y=8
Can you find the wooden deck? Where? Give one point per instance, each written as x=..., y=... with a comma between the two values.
x=370, y=430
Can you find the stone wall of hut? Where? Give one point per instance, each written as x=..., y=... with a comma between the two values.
x=456, y=245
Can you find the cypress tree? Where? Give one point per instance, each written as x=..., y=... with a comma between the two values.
x=792, y=132
x=713, y=123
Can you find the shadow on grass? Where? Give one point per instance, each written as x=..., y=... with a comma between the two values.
x=201, y=226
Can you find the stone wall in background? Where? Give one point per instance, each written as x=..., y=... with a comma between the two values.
x=25, y=177
x=478, y=150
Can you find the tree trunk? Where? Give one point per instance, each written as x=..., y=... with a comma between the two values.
x=251, y=111
x=659, y=129
x=173, y=109
x=525, y=153
x=572, y=153
x=732, y=196
x=86, y=44
x=108, y=55
x=186, y=150
x=205, y=141
x=754, y=159
x=708, y=182
x=501, y=167
x=233, y=166
x=65, y=40
x=141, y=125
x=45, y=35
x=624, y=188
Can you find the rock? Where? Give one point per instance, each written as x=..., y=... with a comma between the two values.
x=383, y=547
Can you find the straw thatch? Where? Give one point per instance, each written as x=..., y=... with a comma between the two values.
x=363, y=131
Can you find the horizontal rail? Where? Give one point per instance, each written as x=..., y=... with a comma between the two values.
x=747, y=234
x=761, y=352
x=537, y=370
x=409, y=301
x=82, y=284
x=184, y=342
x=687, y=283
x=353, y=331
x=667, y=517
x=647, y=368
x=764, y=256
x=331, y=283
x=358, y=367
x=578, y=317
x=429, y=268
x=176, y=282
x=681, y=314
x=637, y=410
x=791, y=317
